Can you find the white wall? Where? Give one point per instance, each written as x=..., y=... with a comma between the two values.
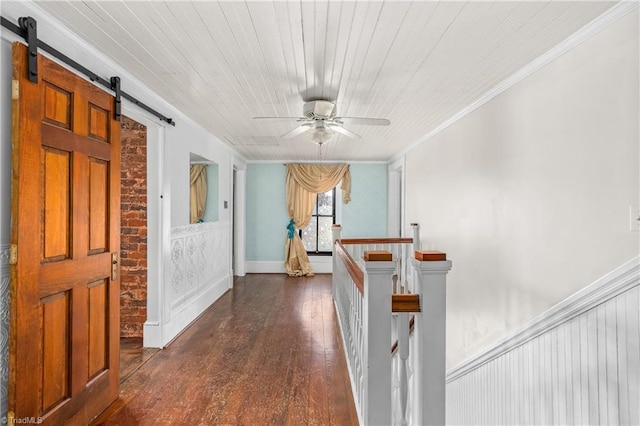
x=181, y=141
x=529, y=195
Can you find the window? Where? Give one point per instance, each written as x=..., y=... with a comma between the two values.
x=317, y=237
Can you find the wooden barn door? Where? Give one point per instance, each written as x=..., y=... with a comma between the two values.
x=64, y=327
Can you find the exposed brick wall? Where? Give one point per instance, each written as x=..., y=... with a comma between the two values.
x=133, y=253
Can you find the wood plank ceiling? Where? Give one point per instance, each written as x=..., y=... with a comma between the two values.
x=415, y=63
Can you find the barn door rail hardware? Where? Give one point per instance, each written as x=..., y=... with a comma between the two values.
x=27, y=29
x=31, y=27
x=115, y=86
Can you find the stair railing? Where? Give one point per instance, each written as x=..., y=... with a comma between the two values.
x=399, y=302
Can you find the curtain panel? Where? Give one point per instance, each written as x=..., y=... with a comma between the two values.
x=198, y=198
x=304, y=182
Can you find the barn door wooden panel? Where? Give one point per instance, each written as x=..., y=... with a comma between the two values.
x=64, y=348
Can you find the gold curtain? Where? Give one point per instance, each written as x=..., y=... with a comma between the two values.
x=198, y=199
x=304, y=181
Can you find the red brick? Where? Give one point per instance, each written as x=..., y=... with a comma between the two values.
x=129, y=246
x=137, y=223
x=133, y=274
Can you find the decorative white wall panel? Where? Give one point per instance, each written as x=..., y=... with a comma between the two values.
x=578, y=363
x=199, y=260
x=4, y=328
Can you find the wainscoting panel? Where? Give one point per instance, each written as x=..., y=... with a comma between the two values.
x=4, y=328
x=200, y=257
x=199, y=272
x=578, y=363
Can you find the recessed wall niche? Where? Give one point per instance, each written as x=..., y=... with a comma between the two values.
x=203, y=189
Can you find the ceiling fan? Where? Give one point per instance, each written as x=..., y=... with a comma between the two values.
x=321, y=119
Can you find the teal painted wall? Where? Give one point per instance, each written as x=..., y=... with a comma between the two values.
x=267, y=217
x=364, y=216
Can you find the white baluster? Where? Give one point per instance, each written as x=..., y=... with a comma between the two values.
x=415, y=230
x=416, y=245
x=403, y=354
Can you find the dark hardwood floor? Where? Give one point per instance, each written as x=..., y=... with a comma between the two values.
x=269, y=352
x=132, y=356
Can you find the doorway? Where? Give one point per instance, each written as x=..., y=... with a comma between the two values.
x=396, y=199
x=133, y=248
x=238, y=214
x=233, y=221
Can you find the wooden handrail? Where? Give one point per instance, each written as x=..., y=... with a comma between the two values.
x=352, y=267
x=376, y=240
x=405, y=303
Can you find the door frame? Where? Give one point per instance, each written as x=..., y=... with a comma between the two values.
x=238, y=192
x=396, y=199
x=158, y=226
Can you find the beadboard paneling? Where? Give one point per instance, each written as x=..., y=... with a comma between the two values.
x=582, y=368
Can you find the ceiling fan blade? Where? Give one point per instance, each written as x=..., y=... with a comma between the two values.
x=344, y=131
x=367, y=121
x=297, y=131
x=279, y=118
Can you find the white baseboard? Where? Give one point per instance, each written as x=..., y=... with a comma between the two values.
x=188, y=312
x=264, y=267
x=152, y=335
x=320, y=265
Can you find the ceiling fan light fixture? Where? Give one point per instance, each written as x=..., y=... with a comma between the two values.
x=320, y=122
x=319, y=109
x=321, y=135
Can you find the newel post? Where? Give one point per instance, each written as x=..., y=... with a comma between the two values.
x=430, y=332
x=336, y=231
x=377, y=338
x=415, y=231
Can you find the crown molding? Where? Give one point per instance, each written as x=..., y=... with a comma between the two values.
x=285, y=162
x=612, y=15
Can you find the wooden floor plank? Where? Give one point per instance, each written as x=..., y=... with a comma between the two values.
x=132, y=356
x=268, y=352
